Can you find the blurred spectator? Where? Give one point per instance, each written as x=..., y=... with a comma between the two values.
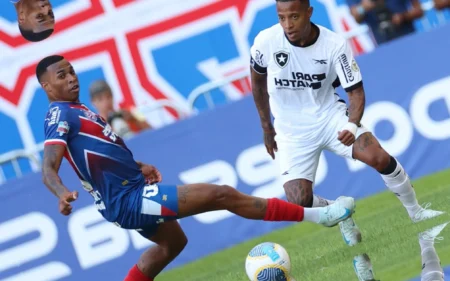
x=388, y=19
x=124, y=122
x=441, y=4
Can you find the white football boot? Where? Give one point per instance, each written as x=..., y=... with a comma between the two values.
x=340, y=210
x=432, y=235
x=349, y=230
x=424, y=213
x=363, y=268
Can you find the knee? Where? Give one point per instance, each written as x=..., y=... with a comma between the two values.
x=379, y=161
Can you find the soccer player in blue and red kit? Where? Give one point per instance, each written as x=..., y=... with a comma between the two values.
x=126, y=192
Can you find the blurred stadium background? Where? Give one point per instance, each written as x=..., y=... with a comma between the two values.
x=184, y=66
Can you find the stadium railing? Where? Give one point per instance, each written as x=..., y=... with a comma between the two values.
x=13, y=157
x=207, y=88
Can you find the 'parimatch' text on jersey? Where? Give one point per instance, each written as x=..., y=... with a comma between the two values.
x=301, y=81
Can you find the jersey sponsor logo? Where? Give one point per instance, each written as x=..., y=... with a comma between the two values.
x=281, y=58
x=63, y=128
x=346, y=68
x=54, y=113
x=300, y=80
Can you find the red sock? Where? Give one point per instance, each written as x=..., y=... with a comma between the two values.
x=279, y=210
x=136, y=275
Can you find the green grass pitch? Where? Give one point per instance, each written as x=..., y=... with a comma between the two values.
x=319, y=253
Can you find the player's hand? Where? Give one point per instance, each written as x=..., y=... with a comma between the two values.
x=346, y=137
x=270, y=143
x=64, y=202
x=151, y=174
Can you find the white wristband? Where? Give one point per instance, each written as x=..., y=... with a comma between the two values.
x=351, y=127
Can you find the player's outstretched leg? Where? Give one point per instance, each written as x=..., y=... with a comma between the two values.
x=169, y=241
x=200, y=198
x=368, y=150
x=300, y=192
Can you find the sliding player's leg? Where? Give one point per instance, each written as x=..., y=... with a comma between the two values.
x=199, y=198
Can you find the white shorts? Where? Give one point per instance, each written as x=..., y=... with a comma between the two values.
x=299, y=158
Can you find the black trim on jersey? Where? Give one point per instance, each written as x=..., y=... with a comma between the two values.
x=354, y=87
x=340, y=99
x=336, y=83
x=312, y=42
x=256, y=67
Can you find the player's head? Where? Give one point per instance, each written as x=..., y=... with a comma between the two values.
x=58, y=78
x=36, y=19
x=294, y=16
x=101, y=96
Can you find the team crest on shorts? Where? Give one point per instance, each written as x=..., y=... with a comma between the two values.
x=281, y=58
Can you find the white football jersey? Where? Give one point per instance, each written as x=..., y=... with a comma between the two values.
x=301, y=81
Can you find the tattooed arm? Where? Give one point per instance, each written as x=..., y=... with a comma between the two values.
x=261, y=97
x=53, y=155
x=357, y=100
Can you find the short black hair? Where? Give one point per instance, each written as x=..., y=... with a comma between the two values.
x=306, y=1
x=31, y=36
x=41, y=68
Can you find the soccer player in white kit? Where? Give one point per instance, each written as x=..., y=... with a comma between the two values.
x=295, y=67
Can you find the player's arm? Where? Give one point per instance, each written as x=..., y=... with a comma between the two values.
x=351, y=80
x=58, y=125
x=258, y=73
x=261, y=98
x=53, y=155
x=357, y=101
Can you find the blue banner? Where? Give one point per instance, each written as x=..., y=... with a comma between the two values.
x=408, y=102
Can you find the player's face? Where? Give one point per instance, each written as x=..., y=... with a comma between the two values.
x=104, y=102
x=35, y=15
x=61, y=82
x=294, y=17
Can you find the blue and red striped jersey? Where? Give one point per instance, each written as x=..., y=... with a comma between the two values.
x=100, y=158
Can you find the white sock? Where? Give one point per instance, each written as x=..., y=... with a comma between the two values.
x=425, y=243
x=312, y=214
x=431, y=264
x=399, y=183
x=433, y=276
x=321, y=202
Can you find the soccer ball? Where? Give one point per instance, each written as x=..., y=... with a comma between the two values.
x=268, y=262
